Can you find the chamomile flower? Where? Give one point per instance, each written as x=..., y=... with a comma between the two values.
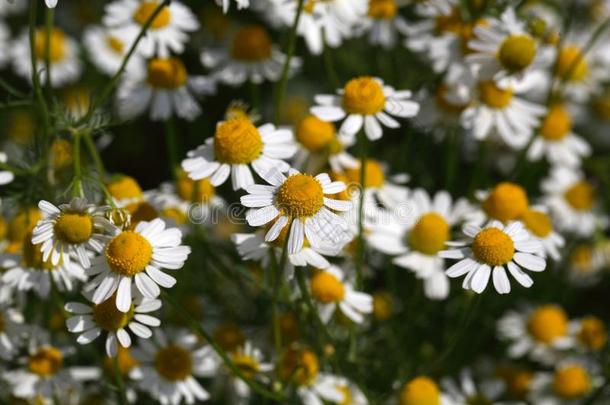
x=89, y=321
x=50, y=3
x=168, y=367
x=11, y=330
x=556, y=141
x=236, y=146
x=504, y=202
x=331, y=290
x=465, y=390
x=298, y=201
x=540, y=333
x=415, y=242
x=137, y=255
x=422, y=390
x=571, y=382
x=352, y=395
x=165, y=87
x=167, y=33
x=249, y=360
x=64, y=63
x=251, y=57
x=241, y=4
x=365, y=101
x=538, y=223
x=382, y=23
x=107, y=51
x=6, y=176
x=489, y=251
x=70, y=230
x=590, y=332
x=586, y=265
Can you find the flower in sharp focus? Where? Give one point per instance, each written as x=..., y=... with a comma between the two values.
x=489, y=251
x=137, y=255
x=365, y=102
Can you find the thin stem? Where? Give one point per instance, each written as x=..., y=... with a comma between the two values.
x=92, y=149
x=49, y=16
x=309, y=303
x=121, y=394
x=11, y=90
x=15, y=104
x=360, y=252
x=171, y=142
x=329, y=67
x=42, y=105
x=292, y=40
x=453, y=151
x=78, y=177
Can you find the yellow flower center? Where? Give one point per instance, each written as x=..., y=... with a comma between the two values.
x=74, y=227
x=373, y=175
x=23, y=223
x=251, y=44
x=115, y=44
x=229, y=336
x=451, y=23
x=557, y=124
x=383, y=9
x=314, y=134
x=46, y=361
x=517, y=52
x=547, y=323
x=493, y=96
x=580, y=196
x=300, y=365
x=593, y=333
x=128, y=253
x=166, y=73
x=506, y=202
x=571, y=382
x=176, y=214
x=420, y=391
x=237, y=141
x=518, y=382
x=347, y=394
x=125, y=360
x=109, y=318
x=194, y=191
x=571, y=65
x=56, y=44
x=301, y=195
x=124, y=187
x=141, y=211
x=493, y=247
x=538, y=223
x=61, y=153
x=429, y=234
x=382, y=306
x=327, y=288
x=146, y=10
x=581, y=258
x=364, y=96
x=173, y=363
x=247, y=364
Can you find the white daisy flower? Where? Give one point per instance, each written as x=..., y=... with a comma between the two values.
x=590, y=334
x=250, y=57
x=442, y=108
x=236, y=146
x=466, y=391
x=50, y=3
x=423, y=390
x=6, y=176
x=491, y=250
x=249, y=360
x=540, y=333
x=556, y=141
x=137, y=255
x=167, y=33
x=365, y=101
x=586, y=265
x=538, y=223
x=69, y=230
x=298, y=201
x=571, y=200
x=415, y=241
x=382, y=23
x=64, y=62
x=107, y=50
x=331, y=290
x=90, y=320
x=168, y=367
x=352, y=395
x=165, y=87
x=10, y=332
x=241, y=4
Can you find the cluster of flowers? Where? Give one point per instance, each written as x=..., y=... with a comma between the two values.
x=321, y=221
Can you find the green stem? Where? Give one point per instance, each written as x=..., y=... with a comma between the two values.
x=329, y=67
x=41, y=103
x=292, y=40
x=78, y=177
x=49, y=16
x=11, y=90
x=171, y=142
x=92, y=149
x=362, y=140
x=453, y=152
x=15, y=104
x=121, y=394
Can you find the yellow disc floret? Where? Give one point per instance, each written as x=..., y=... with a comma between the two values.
x=383, y=9
x=74, y=227
x=593, y=333
x=538, y=223
x=109, y=318
x=194, y=190
x=237, y=141
x=128, y=253
x=571, y=65
x=420, y=391
x=46, y=361
x=517, y=52
x=506, y=202
x=299, y=364
x=20, y=226
x=247, y=364
x=124, y=187
x=115, y=44
x=429, y=234
x=547, y=323
x=493, y=96
x=315, y=134
x=363, y=95
x=571, y=382
x=173, y=363
x=580, y=196
x=145, y=12
x=373, y=174
x=493, y=247
x=55, y=42
x=301, y=195
x=557, y=124
x=251, y=44
x=327, y=288
x=166, y=73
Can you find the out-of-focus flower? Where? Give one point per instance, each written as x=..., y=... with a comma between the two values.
x=107, y=50
x=572, y=381
x=6, y=176
x=422, y=390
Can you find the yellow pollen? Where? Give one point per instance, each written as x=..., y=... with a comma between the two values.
x=571, y=382
x=493, y=247
x=46, y=361
x=364, y=96
x=373, y=175
x=56, y=45
x=382, y=306
x=146, y=10
x=580, y=196
x=251, y=44
x=314, y=134
x=237, y=141
x=128, y=253
x=167, y=73
x=300, y=196
x=109, y=318
x=115, y=44
x=493, y=96
x=124, y=187
x=538, y=223
x=420, y=391
x=125, y=360
x=557, y=124
x=229, y=336
x=61, y=153
x=301, y=365
x=593, y=333
x=141, y=211
x=547, y=323
x=581, y=258
x=194, y=191
x=517, y=52
x=173, y=363
x=383, y=9
x=430, y=233
x=506, y=202
x=247, y=364
x=327, y=288
x=74, y=227
x=571, y=65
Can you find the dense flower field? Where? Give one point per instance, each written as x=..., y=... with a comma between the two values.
x=304, y=202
